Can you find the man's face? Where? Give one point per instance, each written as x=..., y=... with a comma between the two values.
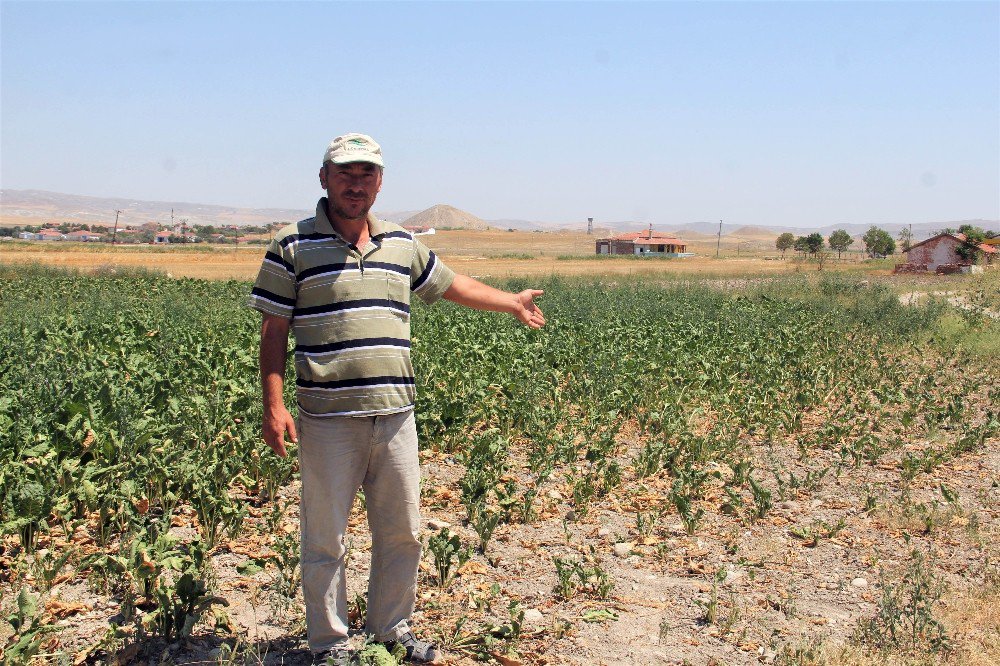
x=350, y=188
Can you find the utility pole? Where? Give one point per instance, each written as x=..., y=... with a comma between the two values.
x=718, y=242
x=114, y=236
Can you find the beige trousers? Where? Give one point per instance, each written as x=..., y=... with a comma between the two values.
x=338, y=455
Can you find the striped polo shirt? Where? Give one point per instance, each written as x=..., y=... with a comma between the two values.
x=350, y=311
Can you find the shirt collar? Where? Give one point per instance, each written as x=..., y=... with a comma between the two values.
x=376, y=227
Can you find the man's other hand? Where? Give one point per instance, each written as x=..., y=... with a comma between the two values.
x=277, y=422
x=526, y=309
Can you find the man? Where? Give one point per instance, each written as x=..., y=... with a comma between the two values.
x=342, y=280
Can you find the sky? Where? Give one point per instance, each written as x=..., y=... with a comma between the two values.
x=784, y=114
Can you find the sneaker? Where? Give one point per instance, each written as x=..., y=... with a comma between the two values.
x=335, y=656
x=417, y=651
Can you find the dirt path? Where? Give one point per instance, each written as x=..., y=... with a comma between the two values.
x=954, y=298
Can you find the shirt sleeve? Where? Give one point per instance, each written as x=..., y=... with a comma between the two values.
x=429, y=277
x=275, y=290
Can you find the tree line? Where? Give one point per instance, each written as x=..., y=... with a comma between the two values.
x=878, y=242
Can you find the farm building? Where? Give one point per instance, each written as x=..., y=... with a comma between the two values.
x=50, y=234
x=83, y=236
x=643, y=243
x=163, y=236
x=941, y=254
x=27, y=235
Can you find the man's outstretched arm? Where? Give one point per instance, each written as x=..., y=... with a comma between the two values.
x=472, y=293
x=273, y=349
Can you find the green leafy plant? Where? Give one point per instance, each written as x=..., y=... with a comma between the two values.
x=904, y=618
x=574, y=576
x=449, y=555
x=181, y=598
x=30, y=629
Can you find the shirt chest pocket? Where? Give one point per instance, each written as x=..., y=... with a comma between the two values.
x=398, y=293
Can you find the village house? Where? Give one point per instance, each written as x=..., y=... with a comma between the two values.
x=50, y=235
x=162, y=237
x=27, y=235
x=941, y=254
x=643, y=243
x=83, y=236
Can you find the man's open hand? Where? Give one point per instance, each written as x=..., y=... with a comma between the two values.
x=526, y=310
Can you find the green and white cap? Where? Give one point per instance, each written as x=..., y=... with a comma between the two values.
x=354, y=148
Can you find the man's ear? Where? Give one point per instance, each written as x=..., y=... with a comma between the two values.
x=322, y=176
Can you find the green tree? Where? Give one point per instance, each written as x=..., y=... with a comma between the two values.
x=814, y=242
x=905, y=239
x=974, y=235
x=784, y=242
x=878, y=242
x=801, y=245
x=840, y=240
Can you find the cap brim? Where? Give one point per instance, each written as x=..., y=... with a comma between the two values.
x=348, y=159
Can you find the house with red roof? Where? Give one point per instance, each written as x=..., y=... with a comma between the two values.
x=947, y=253
x=644, y=243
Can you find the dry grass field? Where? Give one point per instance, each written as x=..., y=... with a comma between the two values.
x=488, y=254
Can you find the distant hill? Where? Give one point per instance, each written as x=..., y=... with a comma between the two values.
x=443, y=216
x=753, y=233
x=38, y=206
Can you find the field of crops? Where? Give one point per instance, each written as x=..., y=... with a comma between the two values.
x=778, y=473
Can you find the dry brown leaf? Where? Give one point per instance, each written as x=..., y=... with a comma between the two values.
x=61, y=579
x=62, y=609
x=473, y=567
x=254, y=554
x=506, y=661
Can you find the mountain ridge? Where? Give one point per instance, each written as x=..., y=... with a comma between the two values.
x=39, y=206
